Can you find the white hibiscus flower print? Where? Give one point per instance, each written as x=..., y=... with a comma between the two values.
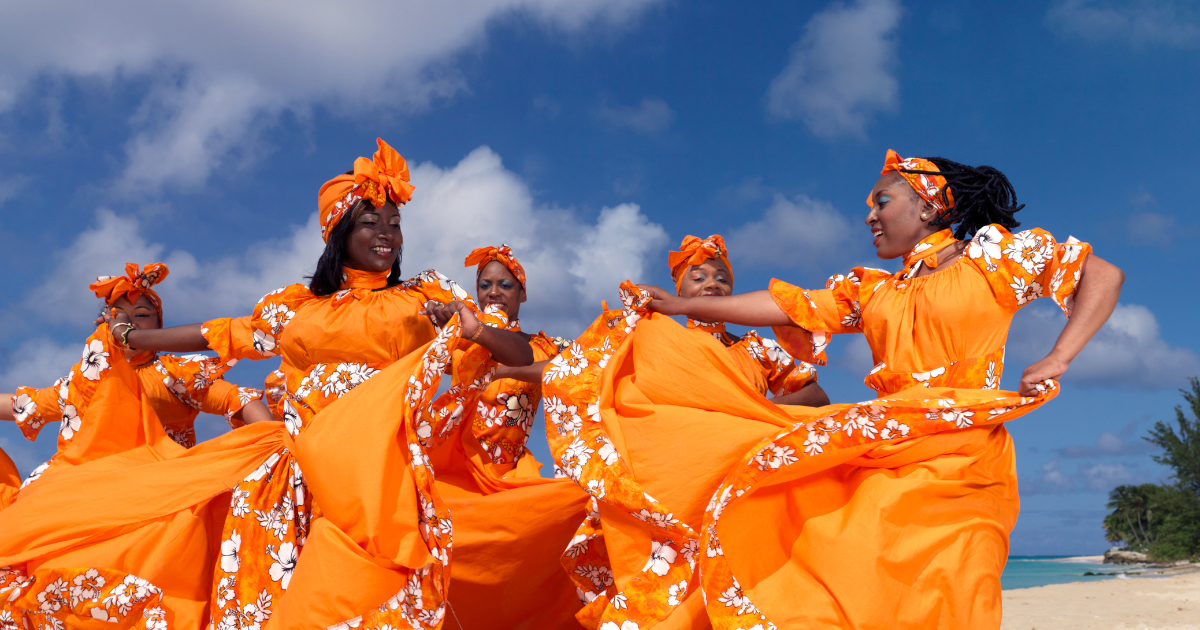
x=86, y=587
x=734, y=596
x=70, y=422
x=577, y=546
x=894, y=429
x=625, y=625
x=960, y=417
x=595, y=487
x=676, y=593
x=773, y=456
x=23, y=407
x=570, y=363
x=863, y=420
x=662, y=556
x=291, y=418
x=1025, y=293
x=1070, y=250
x=986, y=245
x=94, y=361
x=311, y=382
x=230, y=563
x=599, y=575
x=1029, y=250
x=690, y=547
x=564, y=417
x=607, y=452
x=925, y=377
x=133, y=590
x=283, y=565
x=575, y=457
x=263, y=468
x=656, y=518
x=815, y=441
x=277, y=315
x=53, y=597
x=264, y=343
x=64, y=385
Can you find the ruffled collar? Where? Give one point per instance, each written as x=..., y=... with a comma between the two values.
x=359, y=279
x=717, y=329
x=926, y=252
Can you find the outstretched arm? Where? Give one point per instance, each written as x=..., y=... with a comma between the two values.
x=811, y=395
x=186, y=338
x=6, y=412
x=507, y=347
x=1095, y=298
x=756, y=308
x=531, y=373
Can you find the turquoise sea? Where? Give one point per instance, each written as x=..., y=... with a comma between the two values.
x=1029, y=571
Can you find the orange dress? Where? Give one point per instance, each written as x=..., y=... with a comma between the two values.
x=506, y=409
x=891, y=512
x=10, y=480
x=178, y=387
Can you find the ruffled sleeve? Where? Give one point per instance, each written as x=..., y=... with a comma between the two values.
x=256, y=336
x=816, y=315
x=196, y=380
x=69, y=397
x=784, y=374
x=1028, y=265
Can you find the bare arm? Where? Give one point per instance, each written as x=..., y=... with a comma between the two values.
x=186, y=338
x=531, y=373
x=255, y=411
x=1095, y=298
x=811, y=395
x=507, y=347
x=6, y=412
x=756, y=308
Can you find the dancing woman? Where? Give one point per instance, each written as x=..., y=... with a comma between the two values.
x=701, y=268
x=507, y=407
x=178, y=388
x=354, y=323
x=894, y=512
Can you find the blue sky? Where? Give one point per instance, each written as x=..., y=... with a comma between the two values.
x=592, y=136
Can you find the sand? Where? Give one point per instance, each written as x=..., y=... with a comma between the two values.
x=1165, y=599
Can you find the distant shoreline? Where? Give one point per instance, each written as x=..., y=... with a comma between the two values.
x=1167, y=597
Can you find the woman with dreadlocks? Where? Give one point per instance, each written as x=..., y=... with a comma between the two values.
x=890, y=513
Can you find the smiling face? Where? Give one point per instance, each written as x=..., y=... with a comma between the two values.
x=895, y=219
x=711, y=277
x=375, y=239
x=497, y=285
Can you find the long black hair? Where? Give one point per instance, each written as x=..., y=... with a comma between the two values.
x=982, y=196
x=327, y=279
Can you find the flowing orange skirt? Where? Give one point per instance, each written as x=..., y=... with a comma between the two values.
x=889, y=513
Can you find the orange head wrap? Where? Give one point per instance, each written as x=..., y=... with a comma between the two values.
x=133, y=284
x=694, y=251
x=383, y=177
x=483, y=255
x=930, y=186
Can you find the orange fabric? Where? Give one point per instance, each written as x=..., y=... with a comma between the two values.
x=108, y=523
x=10, y=480
x=504, y=415
x=895, y=511
x=134, y=283
x=930, y=186
x=383, y=177
x=178, y=388
x=481, y=256
x=694, y=251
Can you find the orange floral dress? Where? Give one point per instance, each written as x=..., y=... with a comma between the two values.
x=178, y=387
x=767, y=363
x=506, y=409
x=891, y=512
x=10, y=480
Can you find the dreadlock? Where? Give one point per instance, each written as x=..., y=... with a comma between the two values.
x=982, y=196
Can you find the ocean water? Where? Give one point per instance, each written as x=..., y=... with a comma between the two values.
x=1029, y=571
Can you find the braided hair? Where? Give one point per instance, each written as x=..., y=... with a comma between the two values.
x=982, y=196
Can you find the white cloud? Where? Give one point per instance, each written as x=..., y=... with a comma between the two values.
x=803, y=232
x=841, y=70
x=38, y=362
x=219, y=71
x=650, y=117
x=1127, y=353
x=571, y=263
x=1137, y=24
x=1087, y=478
x=1152, y=228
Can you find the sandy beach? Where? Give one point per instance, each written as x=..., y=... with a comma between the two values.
x=1160, y=599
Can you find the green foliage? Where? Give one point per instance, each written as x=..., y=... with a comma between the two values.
x=1164, y=520
x=1181, y=451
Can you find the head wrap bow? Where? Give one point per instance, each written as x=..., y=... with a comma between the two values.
x=694, y=251
x=383, y=177
x=930, y=186
x=483, y=255
x=133, y=284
